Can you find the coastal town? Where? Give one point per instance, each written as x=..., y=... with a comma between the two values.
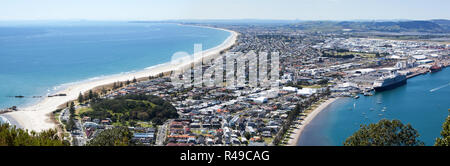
x=224, y=82
x=314, y=70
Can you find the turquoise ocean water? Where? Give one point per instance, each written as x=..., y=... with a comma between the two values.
x=37, y=58
x=423, y=102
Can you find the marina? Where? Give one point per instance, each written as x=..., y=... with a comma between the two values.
x=412, y=103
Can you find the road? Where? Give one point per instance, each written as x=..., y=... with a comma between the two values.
x=79, y=134
x=162, y=132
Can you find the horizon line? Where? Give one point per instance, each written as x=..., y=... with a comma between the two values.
x=224, y=19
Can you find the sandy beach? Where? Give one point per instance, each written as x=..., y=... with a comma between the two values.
x=298, y=131
x=36, y=117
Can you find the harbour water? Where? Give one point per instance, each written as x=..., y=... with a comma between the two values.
x=38, y=58
x=423, y=102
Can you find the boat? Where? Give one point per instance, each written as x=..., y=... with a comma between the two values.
x=368, y=94
x=356, y=97
x=389, y=82
x=435, y=68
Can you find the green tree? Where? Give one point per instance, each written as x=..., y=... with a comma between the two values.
x=323, y=82
x=385, y=133
x=12, y=136
x=247, y=135
x=133, y=107
x=104, y=91
x=72, y=109
x=120, y=136
x=90, y=95
x=115, y=86
x=80, y=98
x=445, y=134
x=143, y=116
x=70, y=124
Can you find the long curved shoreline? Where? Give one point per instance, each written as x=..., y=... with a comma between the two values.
x=299, y=130
x=36, y=117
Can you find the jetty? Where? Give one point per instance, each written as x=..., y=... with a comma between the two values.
x=57, y=95
x=417, y=72
x=12, y=109
x=20, y=96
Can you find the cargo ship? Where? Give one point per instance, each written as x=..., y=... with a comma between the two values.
x=389, y=82
x=435, y=68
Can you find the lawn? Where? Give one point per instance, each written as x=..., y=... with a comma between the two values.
x=83, y=110
x=268, y=140
x=145, y=124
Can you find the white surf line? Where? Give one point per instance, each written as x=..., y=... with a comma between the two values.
x=443, y=86
x=4, y=120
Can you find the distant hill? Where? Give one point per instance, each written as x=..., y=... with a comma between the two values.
x=432, y=26
x=224, y=21
x=445, y=24
x=428, y=26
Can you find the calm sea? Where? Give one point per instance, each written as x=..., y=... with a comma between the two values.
x=38, y=57
x=423, y=102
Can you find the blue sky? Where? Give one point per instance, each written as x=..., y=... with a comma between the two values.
x=223, y=9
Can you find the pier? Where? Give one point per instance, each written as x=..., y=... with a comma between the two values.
x=417, y=73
